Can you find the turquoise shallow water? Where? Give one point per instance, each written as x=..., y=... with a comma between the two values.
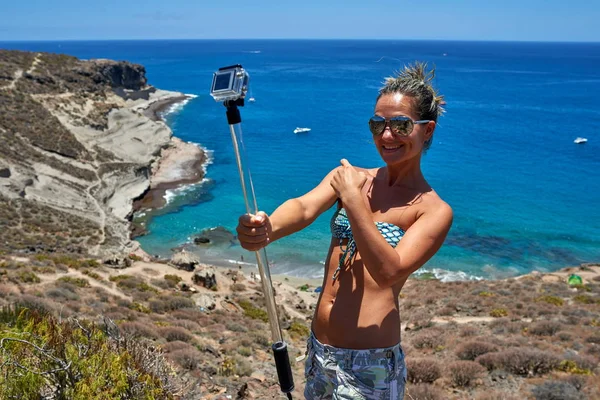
x=525, y=196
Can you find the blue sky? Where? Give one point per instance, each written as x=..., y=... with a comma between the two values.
x=536, y=20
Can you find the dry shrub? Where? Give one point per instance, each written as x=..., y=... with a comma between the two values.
x=472, y=350
x=423, y=370
x=467, y=331
x=593, y=350
x=421, y=319
x=236, y=327
x=564, y=336
x=175, y=346
x=446, y=311
x=173, y=333
x=61, y=294
x=520, y=361
x=593, y=339
x=429, y=339
x=187, y=324
x=187, y=358
x=138, y=329
x=463, y=373
x=216, y=329
x=495, y=395
x=35, y=303
x=191, y=314
x=423, y=391
x=545, y=328
x=556, y=390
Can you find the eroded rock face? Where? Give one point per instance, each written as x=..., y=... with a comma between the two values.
x=122, y=74
x=75, y=152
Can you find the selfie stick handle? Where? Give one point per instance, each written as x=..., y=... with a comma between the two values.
x=280, y=352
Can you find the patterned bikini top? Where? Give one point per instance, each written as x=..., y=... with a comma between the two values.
x=341, y=229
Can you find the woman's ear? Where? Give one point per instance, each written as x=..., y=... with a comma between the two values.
x=429, y=130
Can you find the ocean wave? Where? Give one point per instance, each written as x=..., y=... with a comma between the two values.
x=448, y=276
x=177, y=107
x=172, y=194
x=210, y=157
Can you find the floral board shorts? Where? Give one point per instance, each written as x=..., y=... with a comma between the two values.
x=371, y=374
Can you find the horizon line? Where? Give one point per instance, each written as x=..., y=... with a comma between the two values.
x=304, y=39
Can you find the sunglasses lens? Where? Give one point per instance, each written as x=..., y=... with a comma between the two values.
x=376, y=125
x=401, y=126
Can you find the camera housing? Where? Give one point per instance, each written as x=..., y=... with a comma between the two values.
x=229, y=83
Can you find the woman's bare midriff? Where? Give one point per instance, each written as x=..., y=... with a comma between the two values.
x=353, y=311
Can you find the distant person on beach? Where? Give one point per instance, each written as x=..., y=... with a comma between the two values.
x=388, y=222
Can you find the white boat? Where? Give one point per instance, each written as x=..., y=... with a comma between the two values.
x=580, y=140
x=301, y=130
x=251, y=99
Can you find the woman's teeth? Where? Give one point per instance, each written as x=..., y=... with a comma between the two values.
x=388, y=147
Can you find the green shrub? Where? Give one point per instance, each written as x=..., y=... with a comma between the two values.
x=79, y=282
x=173, y=280
x=585, y=299
x=299, y=329
x=253, y=312
x=28, y=277
x=499, y=312
x=42, y=357
x=557, y=301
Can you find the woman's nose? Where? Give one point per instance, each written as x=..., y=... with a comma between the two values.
x=387, y=133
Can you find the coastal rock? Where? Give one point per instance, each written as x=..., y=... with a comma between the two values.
x=117, y=262
x=185, y=260
x=205, y=277
x=204, y=301
x=218, y=236
x=4, y=172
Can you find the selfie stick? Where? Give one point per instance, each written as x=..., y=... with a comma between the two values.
x=280, y=352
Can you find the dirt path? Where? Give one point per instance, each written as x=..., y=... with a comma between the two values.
x=19, y=73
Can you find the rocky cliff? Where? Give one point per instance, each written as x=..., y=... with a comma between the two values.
x=76, y=150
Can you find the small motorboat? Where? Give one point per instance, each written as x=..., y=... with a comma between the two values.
x=251, y=99
x=580, y=140
x=301, y=130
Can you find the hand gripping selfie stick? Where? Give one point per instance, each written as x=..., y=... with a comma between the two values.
x=230, y=85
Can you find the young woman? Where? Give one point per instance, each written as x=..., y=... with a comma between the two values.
x=387, y=224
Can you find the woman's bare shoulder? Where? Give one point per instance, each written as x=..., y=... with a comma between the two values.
x=434, y=204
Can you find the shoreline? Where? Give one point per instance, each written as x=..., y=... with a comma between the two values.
x=155, y=110
x=179, y=164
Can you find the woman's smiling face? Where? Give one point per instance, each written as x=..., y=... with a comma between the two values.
x=395, y=148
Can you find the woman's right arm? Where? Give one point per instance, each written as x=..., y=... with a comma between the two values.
x=257, y=231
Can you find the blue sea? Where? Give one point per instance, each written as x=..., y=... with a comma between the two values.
x=525, y=197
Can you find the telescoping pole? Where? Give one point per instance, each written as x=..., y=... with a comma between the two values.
x=280, y=351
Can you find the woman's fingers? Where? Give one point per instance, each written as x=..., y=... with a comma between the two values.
x=252, y=238
x=253, y=231
x=251, y=220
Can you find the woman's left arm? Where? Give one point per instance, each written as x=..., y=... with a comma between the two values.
x=388, y=265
